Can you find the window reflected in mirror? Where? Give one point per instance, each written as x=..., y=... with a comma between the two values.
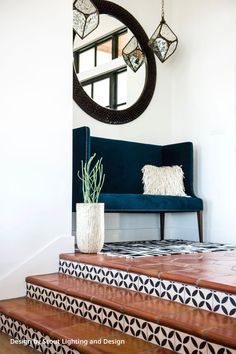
x=104, y=52
x=86, y=60
x=100, y=67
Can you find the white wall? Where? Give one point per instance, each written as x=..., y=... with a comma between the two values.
x=204, y=98
x=195, y=101
x=35, y=127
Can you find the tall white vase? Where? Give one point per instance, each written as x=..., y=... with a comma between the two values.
x=90, y=227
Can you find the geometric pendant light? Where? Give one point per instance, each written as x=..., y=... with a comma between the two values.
x=163, y=41
x=85, y=17
x=133, y=54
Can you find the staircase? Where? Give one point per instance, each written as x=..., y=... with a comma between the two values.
x=103, y=305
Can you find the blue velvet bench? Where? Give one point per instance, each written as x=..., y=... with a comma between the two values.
x=123, y=188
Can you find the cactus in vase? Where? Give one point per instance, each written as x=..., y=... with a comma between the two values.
x=92, y=179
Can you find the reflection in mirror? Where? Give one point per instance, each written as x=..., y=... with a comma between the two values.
x=101, y=69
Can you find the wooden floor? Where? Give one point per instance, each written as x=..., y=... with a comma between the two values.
x=7, y=348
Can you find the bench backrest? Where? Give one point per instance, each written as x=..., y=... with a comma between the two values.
x=123, y=161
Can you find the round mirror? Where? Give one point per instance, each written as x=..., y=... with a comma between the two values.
x=101, y=69
x=103, y=85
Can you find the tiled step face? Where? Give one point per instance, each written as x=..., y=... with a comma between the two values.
x=158, y=321
x=26, y=319
x=191, y=295
x=32, y=337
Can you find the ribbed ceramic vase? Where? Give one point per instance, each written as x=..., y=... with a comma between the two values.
x=90, y=227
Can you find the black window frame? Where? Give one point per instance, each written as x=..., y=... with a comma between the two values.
x=113, y=92
x=112, y=75
x=114, y=36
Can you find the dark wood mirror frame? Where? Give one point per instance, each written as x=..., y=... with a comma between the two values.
x=110, y=116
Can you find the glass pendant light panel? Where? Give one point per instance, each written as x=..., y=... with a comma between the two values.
x=79, y=21
x=85, y=17
x=163, y=42
x=133, y=54
x=167, y=33
x=171, y=49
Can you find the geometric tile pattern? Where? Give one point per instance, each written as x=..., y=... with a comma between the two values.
x=173, y=291
x=47, y=296
x=217, y=349
x=75, y=306
x=224, y=303
x=161, y=336
x=136, y=327
x=128, y=280
x=199, y=297
x=133, y=249
x=190, y=344
x=149, y=285
x=112, y=319
x=33, y=338
x=207, y=299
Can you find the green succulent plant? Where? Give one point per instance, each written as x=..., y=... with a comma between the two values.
x=92, y=179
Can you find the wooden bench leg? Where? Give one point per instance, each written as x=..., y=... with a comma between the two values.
x=200, y=225
x=162, y=225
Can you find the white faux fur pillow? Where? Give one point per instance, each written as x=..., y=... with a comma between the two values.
x=164, y=180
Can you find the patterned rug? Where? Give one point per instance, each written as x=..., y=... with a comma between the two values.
x=132, y=249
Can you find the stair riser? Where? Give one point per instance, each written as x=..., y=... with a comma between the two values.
x=207, y=299
x=34, y=338
x=163, y=336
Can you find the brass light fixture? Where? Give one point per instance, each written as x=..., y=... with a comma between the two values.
x=163, y=41
x=85, y=17
x=133, y=54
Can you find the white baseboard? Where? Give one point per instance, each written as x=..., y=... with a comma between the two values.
x=45, y=260
x=137, y=227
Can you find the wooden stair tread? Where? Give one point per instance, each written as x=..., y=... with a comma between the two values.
x=59, y=324
x=213, y=270
x=213, y=327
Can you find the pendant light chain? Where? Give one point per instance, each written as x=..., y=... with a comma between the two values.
x=163, y=9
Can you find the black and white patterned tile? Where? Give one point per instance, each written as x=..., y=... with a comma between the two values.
x=39, y=293
x=32, y=337
x=109, y=276
x=128, y=280
x=162, y=336
x=172, y=291
x=187, y=344
x=224, y=303
x=72, y=268
x=133, y=249
x=149, y=285
x=135, y=327
x=92, y=273
x=218, y=349
x=113, y=319
x=75, y=306
x=92, y=312
x=50, y=297
x=199, y=297
x=59, y=300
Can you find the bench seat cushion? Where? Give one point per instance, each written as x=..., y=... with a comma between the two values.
x=149, y=203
